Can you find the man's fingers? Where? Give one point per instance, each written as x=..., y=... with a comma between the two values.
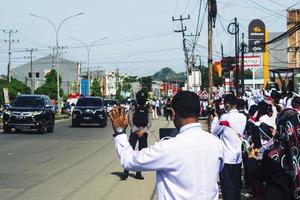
x=123, y=114
x=113, y=113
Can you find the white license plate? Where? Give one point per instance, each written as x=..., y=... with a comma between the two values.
x=86, y=118
x=22, y=127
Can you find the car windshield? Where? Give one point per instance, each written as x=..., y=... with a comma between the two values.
x=28, y=102
x=89, y=102
x=110, y=102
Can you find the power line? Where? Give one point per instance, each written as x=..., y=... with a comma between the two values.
x=277, y=3
x=186, y=7
x=269, y=10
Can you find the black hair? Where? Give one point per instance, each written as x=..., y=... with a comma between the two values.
x=240, y=104
x=230, y=99
x=252, y=110
x=141, y=97
x=276, y=96
x=263, y=109
x=186, y=104
x=296, y=102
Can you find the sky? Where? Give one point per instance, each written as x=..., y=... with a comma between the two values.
x=136, y=36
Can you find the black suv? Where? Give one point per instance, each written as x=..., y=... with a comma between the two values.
x=89, y=110
x=29, y=112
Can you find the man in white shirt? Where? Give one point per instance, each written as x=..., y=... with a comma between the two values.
x=230, y=129
x=187, y=166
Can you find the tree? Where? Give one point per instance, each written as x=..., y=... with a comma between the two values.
x=96, y=88
x=15, y=87
x=119, y=97
x=126, y=85
x=50, y=86
x=146, y=83
x=248, y=74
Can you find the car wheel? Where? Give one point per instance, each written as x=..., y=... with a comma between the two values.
x=103, y=124
x=18, y=130
x=50, y=129
x=6, y=129
x=75, y=124
x=41, y=129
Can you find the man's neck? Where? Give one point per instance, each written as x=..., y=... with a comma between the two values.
x=188, y=121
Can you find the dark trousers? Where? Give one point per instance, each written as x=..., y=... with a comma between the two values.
x=246, y=173
x=143, y=143
x=230, y=181
x=168, y=114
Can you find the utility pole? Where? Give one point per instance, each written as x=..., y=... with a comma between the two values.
x=233, y=29
x=210, y=32
x=185, y=50
x=10, y=41
x=243, y=65
x=32, y=82
x=52, y=59
x=192, y=63
x=237, y=57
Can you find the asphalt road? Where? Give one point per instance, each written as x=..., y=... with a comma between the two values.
x=69, y=164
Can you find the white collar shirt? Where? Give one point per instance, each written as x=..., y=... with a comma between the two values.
x=187, y=166
x=230, y=135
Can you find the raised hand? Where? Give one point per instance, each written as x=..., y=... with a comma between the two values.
x=118, y=117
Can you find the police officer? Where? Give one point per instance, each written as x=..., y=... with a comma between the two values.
x=140, y=121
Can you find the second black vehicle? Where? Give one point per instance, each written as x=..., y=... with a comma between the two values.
x=89, y=110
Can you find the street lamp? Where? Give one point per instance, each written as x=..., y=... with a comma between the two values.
x=88, y=49
x=56, y=29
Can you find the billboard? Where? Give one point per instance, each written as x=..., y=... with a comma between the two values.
x=256, y=35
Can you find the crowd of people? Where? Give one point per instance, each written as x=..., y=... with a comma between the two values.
x=261, y=131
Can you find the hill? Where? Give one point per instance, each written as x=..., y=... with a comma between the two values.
x=168, y=74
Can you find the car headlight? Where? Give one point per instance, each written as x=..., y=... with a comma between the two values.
x=77, y=110
x=99, y=110
x=37, y=112
x=8, y=112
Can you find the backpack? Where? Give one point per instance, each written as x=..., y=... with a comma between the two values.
x=140, y=116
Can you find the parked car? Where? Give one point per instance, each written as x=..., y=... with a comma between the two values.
x=29, y=112
x=89, y=110
x=109, y=103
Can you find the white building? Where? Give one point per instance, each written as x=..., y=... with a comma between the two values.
x=68, y=70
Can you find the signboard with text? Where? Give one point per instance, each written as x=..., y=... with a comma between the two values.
x=252, y=61
x=256, y=31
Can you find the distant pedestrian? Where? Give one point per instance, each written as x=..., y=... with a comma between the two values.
x=168, y=107
x=158, y=107
x=154, y=111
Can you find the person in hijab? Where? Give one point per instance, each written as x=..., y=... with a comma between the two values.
x=279, y=167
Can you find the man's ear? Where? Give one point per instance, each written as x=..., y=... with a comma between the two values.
x=173, y=113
